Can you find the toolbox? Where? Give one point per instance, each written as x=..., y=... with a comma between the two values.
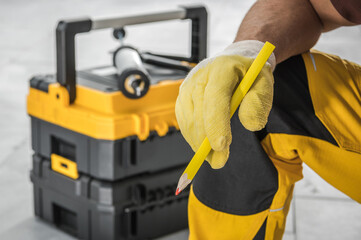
x=92, y=123
x=138, y=208
x=107, y=147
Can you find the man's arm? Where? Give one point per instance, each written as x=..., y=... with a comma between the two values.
x=293, y=26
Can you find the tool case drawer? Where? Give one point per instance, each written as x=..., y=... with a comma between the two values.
x=142, y=207
x=72, y=153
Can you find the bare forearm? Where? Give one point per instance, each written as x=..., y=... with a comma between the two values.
x=292, y=26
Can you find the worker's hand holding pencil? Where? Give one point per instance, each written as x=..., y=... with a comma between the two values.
x=206, y=94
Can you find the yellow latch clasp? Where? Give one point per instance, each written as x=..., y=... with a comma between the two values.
x=64, y=166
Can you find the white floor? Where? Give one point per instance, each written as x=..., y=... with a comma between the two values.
x=27, y=47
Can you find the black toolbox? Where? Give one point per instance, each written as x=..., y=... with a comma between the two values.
x=107, y=148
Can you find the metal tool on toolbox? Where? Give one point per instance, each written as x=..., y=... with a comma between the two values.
x=134, y=79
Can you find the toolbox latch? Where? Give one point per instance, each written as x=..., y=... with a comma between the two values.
x=64, y=166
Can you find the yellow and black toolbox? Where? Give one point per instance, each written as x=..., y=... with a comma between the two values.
x=107, y=147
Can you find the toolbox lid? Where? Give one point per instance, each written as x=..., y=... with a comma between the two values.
x=101, y=110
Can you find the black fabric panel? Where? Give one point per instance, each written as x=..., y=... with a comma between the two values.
x=261, y=232
x=292, y=110
x=248, y=182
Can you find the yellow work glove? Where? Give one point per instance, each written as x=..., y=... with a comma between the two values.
x=203, y=104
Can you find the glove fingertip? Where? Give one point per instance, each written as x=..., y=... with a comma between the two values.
x=217, y=159
x=254, y=110
x=253, y=120
x=219, y=143
x=253, y=126
x=218, y=165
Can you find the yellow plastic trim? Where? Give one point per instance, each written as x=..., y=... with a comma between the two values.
x=108, y=116
x=64, y=166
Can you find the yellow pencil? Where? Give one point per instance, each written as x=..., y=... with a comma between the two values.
x=237, y=97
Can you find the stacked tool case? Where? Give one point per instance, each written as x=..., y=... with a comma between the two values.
x=107, y=148
x=141, y=207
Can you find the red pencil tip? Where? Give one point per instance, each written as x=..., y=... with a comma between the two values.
x=177, y=192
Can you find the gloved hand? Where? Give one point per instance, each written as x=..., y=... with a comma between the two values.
x=203, y=104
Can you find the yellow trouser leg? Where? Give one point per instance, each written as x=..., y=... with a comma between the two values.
x=208, y=223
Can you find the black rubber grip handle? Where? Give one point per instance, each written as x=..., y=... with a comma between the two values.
x=65, y=52
x=199, y=30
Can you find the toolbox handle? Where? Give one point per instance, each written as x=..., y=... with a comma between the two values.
x=67, y=29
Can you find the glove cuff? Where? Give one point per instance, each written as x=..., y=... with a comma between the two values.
x=248, y=48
